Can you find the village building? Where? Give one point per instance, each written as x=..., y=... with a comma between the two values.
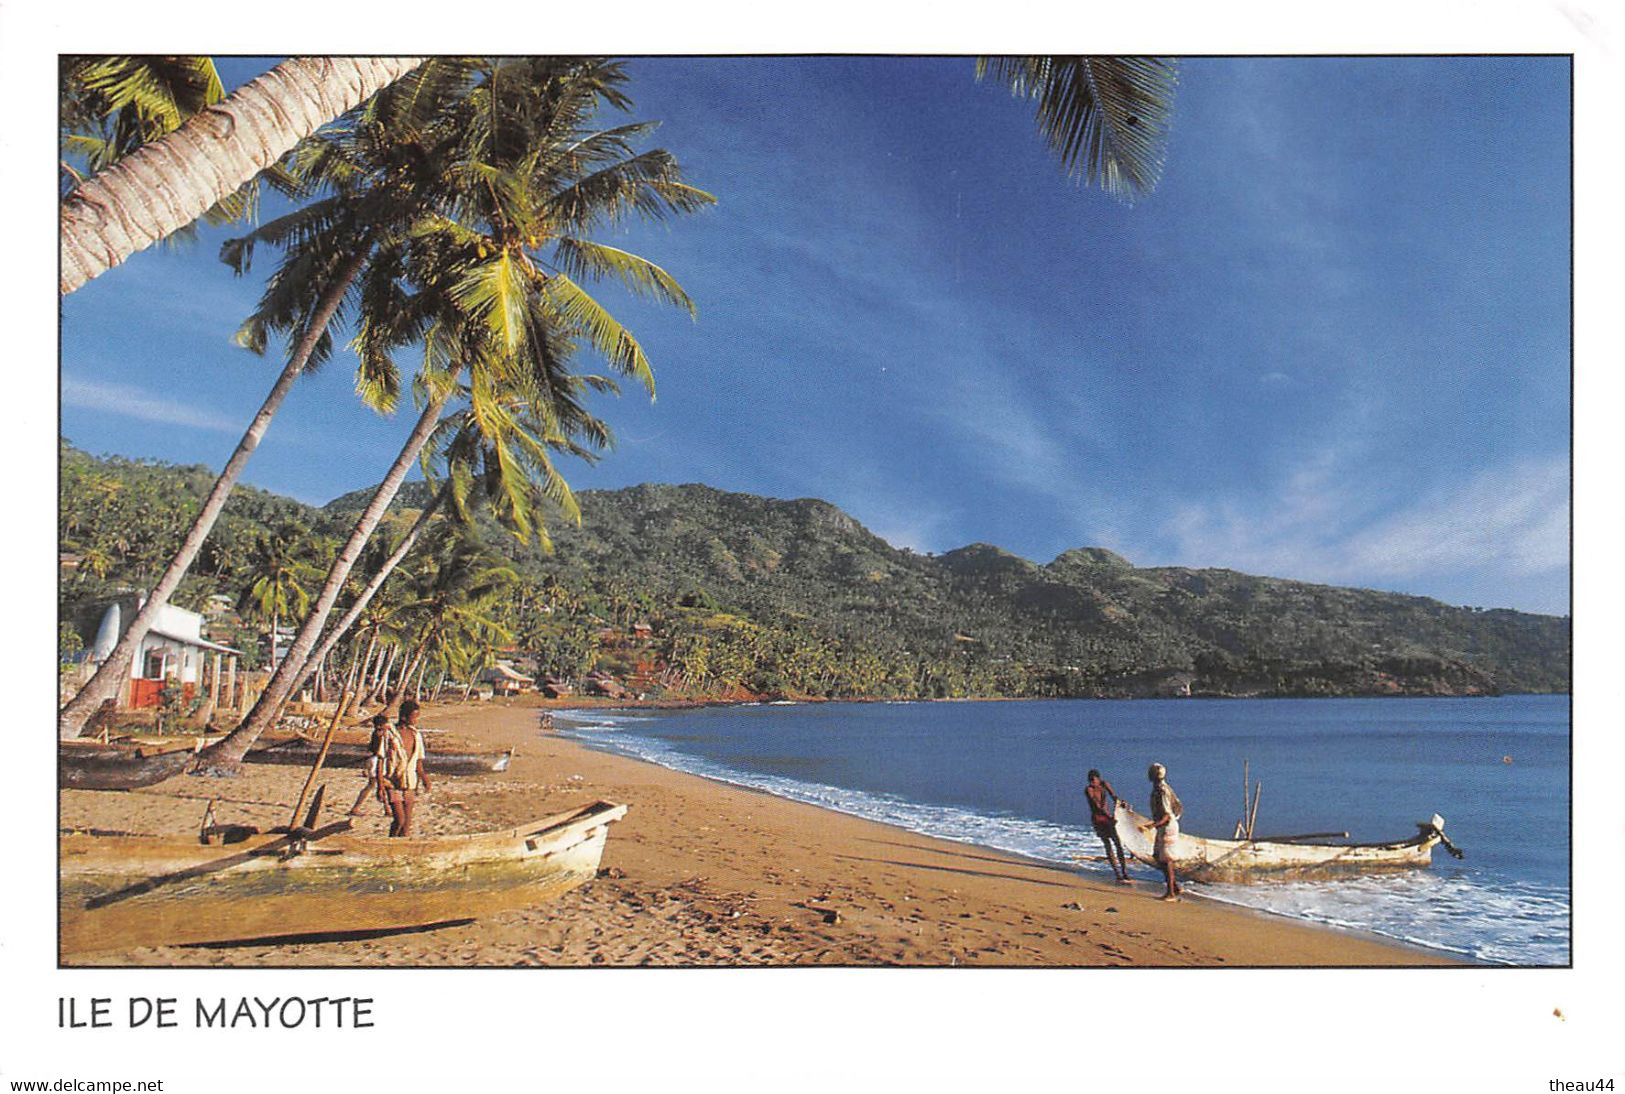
x=507, y=680
x=173, y=649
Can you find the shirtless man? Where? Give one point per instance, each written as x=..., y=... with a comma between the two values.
x=1104, y=819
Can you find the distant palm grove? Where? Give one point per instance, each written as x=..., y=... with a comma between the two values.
x=690, y=592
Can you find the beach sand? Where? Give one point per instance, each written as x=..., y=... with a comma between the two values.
x=703, y=873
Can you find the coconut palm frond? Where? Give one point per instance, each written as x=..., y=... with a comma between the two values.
x=648, y=184
x=587, y=260
x=493, y=291
x=605, y=333
x=1106, y=118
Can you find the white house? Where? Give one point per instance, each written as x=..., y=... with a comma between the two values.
x=172, y=649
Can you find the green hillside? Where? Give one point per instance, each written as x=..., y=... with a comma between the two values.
x=1088, y=623
x=745, y=594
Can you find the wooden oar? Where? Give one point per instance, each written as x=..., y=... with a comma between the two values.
x=327, y=740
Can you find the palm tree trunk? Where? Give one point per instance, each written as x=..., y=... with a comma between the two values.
x=114, y=671
x=339, y=629
x=380, y=690
x=375, y=665
x=166, y=184
x=417, y=688
x=418, y=658
x=365, y=661
x=229, y=752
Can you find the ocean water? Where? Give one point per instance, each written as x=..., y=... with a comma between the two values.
x=1011, y=776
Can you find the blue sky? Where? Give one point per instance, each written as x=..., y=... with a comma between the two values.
x=1333, y=345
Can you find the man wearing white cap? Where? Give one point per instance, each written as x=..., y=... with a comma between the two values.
x=1165, y=813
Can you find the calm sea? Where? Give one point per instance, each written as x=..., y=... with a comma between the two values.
x=1011, y=775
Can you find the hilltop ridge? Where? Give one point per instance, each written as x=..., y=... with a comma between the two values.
x=1094, y=622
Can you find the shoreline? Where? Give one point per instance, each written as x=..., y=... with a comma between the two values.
x=604, y=702
x=1436, y=954
x=703, y=872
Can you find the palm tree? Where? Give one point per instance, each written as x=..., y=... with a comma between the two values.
x=168, y=183
x=275, y=575
x=522, y=171
x=453, y=598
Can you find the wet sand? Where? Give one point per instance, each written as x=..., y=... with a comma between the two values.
x=703, y=873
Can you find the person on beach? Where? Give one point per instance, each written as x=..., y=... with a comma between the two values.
x=375, y=755
x=1105, y=821
x=401, y=771
x=1165, y=813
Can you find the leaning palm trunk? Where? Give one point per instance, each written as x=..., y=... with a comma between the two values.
x=418, y=659
x=342, y=627
x=229, y=752
x=365, y=661
x=380, y=689
x=114, y=672
x=165, y=185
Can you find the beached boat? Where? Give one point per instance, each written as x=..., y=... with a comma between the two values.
x=300, y=752
x=123, y=891
x=94, y=765
x=1203, y=859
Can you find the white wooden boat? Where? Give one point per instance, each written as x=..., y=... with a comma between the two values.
x=124, y=891
x=1203, y=859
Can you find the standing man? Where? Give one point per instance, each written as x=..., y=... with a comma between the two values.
x=1105, y=821
x=1165, y=813
x=402, y=772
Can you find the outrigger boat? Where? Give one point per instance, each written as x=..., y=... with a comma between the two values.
x=235, y=883
x=299, y=752
x=1280, y=857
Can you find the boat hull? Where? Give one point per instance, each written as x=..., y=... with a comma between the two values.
x=108, y=767
x=1202, y=859
x=123, y=892
x=303, y=754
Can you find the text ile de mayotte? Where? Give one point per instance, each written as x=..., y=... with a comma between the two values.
x=251, y=1012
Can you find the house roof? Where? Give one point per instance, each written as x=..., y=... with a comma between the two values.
x=508, y=672
x=201, y=643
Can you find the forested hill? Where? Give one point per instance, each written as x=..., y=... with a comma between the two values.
x=1087, y=623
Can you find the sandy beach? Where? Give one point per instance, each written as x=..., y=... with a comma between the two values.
x=703, y=873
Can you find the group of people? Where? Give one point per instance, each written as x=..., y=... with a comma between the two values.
x=1166, y=809
x=395, y=768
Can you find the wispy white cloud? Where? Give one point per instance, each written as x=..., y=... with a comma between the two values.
x=132, y=402
x=1320, y=526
